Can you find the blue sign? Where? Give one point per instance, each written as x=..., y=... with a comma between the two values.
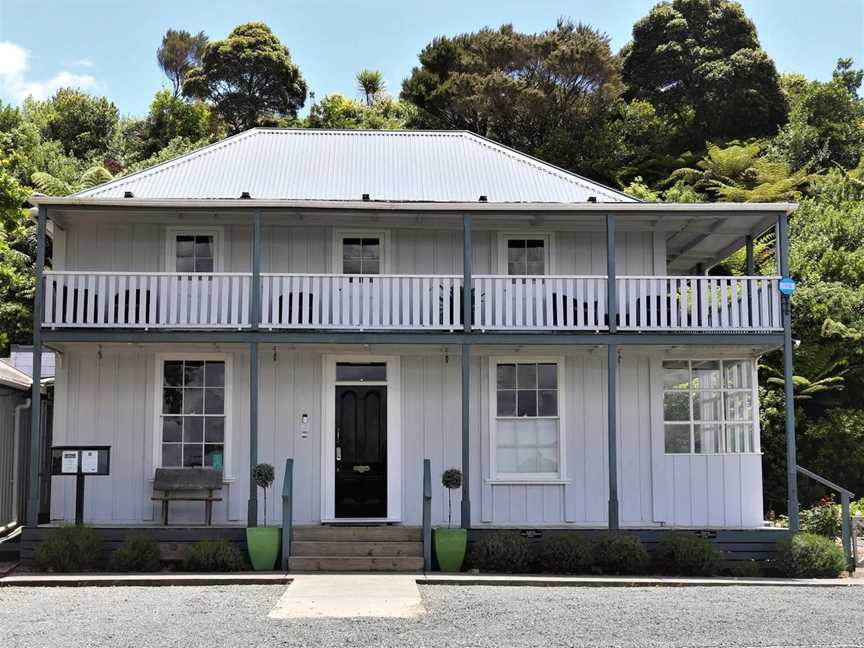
x=786, y=286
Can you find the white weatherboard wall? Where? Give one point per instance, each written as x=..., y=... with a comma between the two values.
x=110, y=400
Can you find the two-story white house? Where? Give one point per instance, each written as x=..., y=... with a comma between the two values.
x=361, y=301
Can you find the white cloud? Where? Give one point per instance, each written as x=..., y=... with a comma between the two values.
x=83, y=62
x=15, y=85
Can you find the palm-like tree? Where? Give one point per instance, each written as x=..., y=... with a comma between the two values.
x=371, y=85
x=53, y=186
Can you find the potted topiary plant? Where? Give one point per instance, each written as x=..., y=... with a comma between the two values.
x=450, y=543
x=263, y=541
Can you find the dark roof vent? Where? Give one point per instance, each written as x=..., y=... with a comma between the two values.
x=128, y=194
x=592, y=199
x=484, y=199
x=245, y=196
x=365, y=196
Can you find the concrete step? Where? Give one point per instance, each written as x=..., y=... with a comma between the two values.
x=354, y=563
x=356, y=548
x=357, y=534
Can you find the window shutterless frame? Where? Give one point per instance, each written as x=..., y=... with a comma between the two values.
x=558, y=476
x=504, y=239
x=173, y=232
x=339, y=236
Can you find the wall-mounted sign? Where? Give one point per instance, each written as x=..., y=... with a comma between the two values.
x=786, y=286
x=90, y=462
x=80, y=462
x=69, y=462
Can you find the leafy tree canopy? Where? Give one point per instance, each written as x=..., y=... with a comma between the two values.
x=248, y=77
x=371, y=85
x=337, y=111
x=179, y=52
x=171, y=117
x=700, y=64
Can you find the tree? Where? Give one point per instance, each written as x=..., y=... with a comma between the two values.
x=553, y=95
x=171, y=117
x=51, y=186
x=700, y=64
x=180, y=52
x=337, y=111
x=371, y=85
x=248, y=77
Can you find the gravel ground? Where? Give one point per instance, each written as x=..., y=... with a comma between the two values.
x=193, y=617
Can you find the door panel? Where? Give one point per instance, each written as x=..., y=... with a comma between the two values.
x=361, y=451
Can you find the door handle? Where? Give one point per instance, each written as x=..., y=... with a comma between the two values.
x=338, y=453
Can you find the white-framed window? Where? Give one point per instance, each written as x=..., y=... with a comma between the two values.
x=710, y=406
x=526, y=418
x=193, y=249
x=361, y=252
x=524, y=253
x=193, y=403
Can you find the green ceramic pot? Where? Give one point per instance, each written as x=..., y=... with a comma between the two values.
x=263, y=543
x=450, y=547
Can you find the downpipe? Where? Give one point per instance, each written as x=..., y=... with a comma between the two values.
x=16, y=462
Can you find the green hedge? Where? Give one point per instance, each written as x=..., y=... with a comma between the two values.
x=687, y=554
x=74, y=548
x=807, y=555
x=567, y=554
x=502, y=551
x=620, y=554
x=214, y=556
x=137, y=554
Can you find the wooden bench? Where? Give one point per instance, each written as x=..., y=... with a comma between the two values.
x=187, y=485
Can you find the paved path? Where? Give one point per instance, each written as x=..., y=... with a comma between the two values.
x=350, y=596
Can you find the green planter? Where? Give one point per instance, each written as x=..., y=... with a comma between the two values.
x=450, y=548
x=263, y=543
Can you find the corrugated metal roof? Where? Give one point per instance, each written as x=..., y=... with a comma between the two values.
x=12, y=377
x=400, y=166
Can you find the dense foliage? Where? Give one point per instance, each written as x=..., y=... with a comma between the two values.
x=70, y=548
x=620, y=554
x=502, y=551
x=137, y=554
x=687, y=554
x=806, y=555
x=692, y=109
x=567, y=554
x=213, y=556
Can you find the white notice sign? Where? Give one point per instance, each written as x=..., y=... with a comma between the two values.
x=69, y=462
x=89, y=461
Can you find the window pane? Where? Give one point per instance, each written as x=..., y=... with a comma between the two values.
x=506, y=403
x=676, y=375
x=706, y=374
x=371, y=248
x=535, y=268
x=214, y=455
x=526, y=376
x=203, y=265
x=185, y=265
x=351, y=266
x=707, y=437
x=676, y=406
x=172, y=401
x=361, y=372
x=185, y=246
x=172, y=429
x=535, y=250
x=193, y=373
x=547, y=376
x=548, y=403
x=214, y=429
x=527, y=460
x=172, y=455
x=203, y=246
x=506, y=376
x=516, y=269
x=214, y=400
x=193, y=455
x=707, y=406
x=173, y=373
x=193, y=429
x=526, y=403
x=193, y=401
x=739, y=437
x=214, y=374
x=370, y=266
x=351, y=248
x=506, y=460
x=739, y=406
x=738, y=374
x=548, y=460
x=677, y=437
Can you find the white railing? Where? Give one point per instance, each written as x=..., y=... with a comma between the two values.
x=698, y=303
x=331, y=301
x=534, y=302
x=147, y=300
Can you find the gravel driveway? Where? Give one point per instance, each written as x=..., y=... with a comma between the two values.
x=193, y=617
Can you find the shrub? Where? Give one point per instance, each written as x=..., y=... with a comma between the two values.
x=620, y=554
x=503, y=551
x=567, y=554
x=822, y=519
x=687, y=554
x=745, y=569
x=137, y=554
x=213, y=556
x=807, y=555
x=69, y=549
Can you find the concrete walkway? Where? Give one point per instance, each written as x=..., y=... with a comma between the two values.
x=350, y=595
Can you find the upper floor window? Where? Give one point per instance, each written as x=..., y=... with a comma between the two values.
x=360, y=252
x=193, y=249
x=709, y=406
x=524, y=254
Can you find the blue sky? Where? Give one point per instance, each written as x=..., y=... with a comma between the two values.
x=108, y=46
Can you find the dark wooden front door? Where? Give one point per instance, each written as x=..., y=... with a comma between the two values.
x=361, y=451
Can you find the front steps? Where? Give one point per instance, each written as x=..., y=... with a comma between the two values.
x=356, y=548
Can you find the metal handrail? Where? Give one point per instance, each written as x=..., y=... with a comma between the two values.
x=845, y=513
x=427, y=515
x=287, y=511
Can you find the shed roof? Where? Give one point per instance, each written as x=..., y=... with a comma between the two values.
x=336, y=165
x=12, y=377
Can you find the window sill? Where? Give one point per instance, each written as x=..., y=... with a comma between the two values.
x=520, y=482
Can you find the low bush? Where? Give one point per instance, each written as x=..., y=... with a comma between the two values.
x=567, y=554
x=502, y=551
x=620, y=554
x=74, y=548
x=213, y=556
x=745, y=569
x=807, y=555
x=687, y=554
x=137, y=554
x=822, y=519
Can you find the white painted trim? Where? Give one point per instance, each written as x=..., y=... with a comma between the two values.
x=173, y=231
x=383, y=236
x=227, y=466
x=548, y=239
x=528, y=478
x=394, y=435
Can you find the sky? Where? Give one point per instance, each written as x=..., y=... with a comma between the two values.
x=109, y=46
